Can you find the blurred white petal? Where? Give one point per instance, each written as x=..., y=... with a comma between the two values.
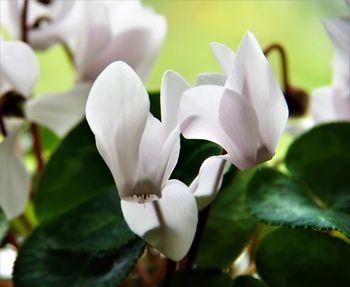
x=211, y=79
x=224, y=55
x=59, y=112
x=18, y=67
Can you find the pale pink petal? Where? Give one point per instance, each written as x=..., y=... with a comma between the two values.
x=199, y=114
x=322, y=105
x=173, y=229
x=211, y=79
x=205, y=186
x=173, y=86
x=238, y=120
x=18, y=67
x=14, y=178
x=117, y=111
x=224, y=55
x=252, y=77
x=59, y=112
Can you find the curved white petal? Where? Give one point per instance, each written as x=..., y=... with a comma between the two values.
x=173, y=231
x=10, y=17
x=203, y=186
x=117, y=110
x=238, y=120
x=173, y=86
x=211, y=79
x=14, y=178
x=253, y=78
x=59, y=112
x=18, y=66
x=224, y=55
x=199, y=114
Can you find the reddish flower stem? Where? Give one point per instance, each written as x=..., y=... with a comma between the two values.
x=284, y=64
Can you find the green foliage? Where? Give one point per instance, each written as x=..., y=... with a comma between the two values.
x=4, y=224
x=74, y=174
x=247, y=281
x=316, y=194
x=81, y=211
x=38, y=265
x=201, y=278
x=303, y=258
x=229, y=226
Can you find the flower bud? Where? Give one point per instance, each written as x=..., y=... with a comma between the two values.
x=297, y=101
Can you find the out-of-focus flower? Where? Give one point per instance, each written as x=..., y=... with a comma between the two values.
x=247, y=115
x=141, y=152
x=333, y=102
x=47, y=24
x=117, y=31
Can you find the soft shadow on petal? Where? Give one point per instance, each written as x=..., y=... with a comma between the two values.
x=238, y=120
x=173, y=237
x=19, y=66
x=14, y=178
x=59, y=112
x=203, y=186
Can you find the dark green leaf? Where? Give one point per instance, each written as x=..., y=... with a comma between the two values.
x=74, y=174
x=303, y=258
x=201, y=278
x=230, y=225
x=317, y=156
x=40, y=266
x=4, y=225
x=96, y=224
x=277, y=199
x=248, y=281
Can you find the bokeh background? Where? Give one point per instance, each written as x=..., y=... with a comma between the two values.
x=192, y=25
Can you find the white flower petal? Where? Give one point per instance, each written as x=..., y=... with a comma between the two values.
x=203, y=186
x=199, y=114
x=117, y=111
x=14, y=178
x=59, y=112
x=173, y=86
x=252, y=77
x=224, y=55
x=172, y=237
x=211, y=79
x=238, y=120
x=18, y=66
x=322, y=105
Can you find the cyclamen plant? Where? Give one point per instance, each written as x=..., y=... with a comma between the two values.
x=169, y=188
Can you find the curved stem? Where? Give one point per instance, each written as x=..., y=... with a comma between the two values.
x=24, y=17
x=3, y=130
x=284, y=64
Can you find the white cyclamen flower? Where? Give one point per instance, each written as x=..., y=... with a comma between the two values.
x=141, y=152
x=117, y=31
x=47, y=24
x=333, y=103
x=247, y=115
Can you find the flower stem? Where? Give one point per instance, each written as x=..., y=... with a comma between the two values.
x=37, y=147
x=24, y=16
x=3, y=130
x=171, y=268
x=284, y=64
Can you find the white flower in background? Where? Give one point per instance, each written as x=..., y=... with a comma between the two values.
x=247, y=115
x=117, y=31
x=141, y=152
x=333, y=103
x=48, y=22
x=18, y=74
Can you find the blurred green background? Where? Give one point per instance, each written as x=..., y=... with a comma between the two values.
x=192, y=25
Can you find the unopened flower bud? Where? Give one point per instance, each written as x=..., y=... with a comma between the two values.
x=297, y=101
